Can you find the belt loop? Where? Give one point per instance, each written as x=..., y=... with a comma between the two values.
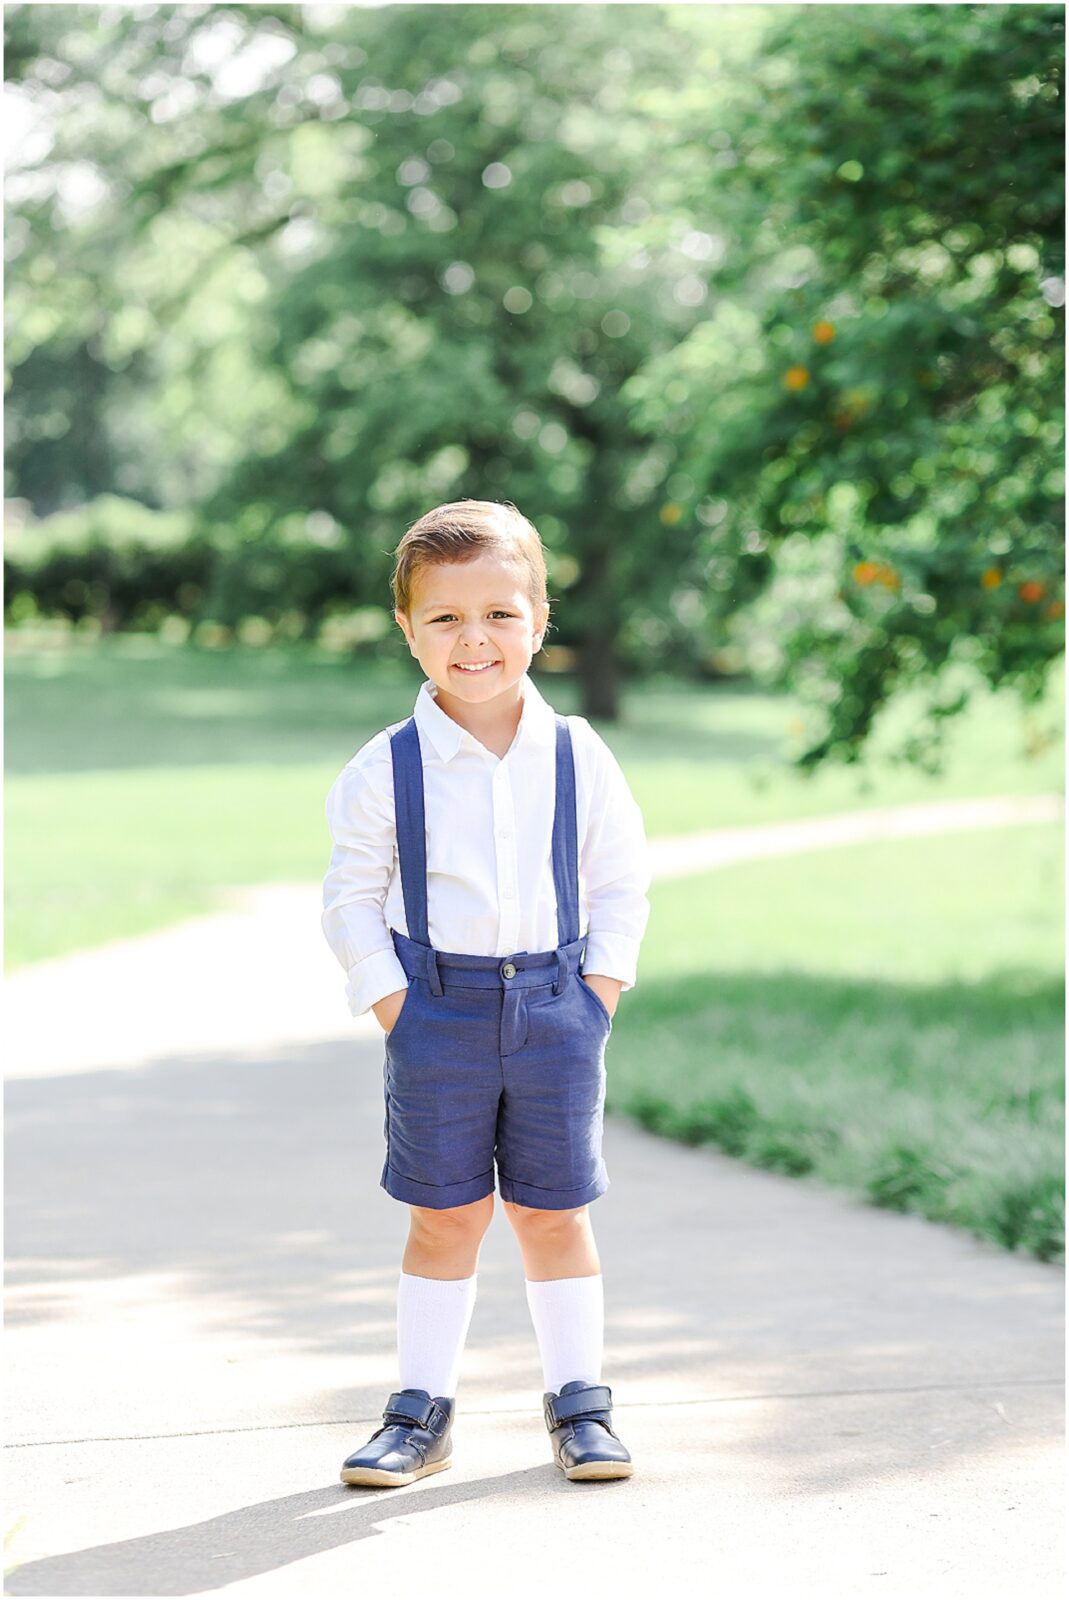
x=562, y=972
x=433, y=975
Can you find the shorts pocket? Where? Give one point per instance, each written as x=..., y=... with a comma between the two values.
x=408, y=1005
x=602, y=1009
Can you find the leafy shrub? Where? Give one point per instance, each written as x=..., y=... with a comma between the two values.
x=113, y=559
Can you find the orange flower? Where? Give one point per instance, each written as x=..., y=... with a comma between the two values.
x=1056, y=608
x=671, y=513
x=877, y=572
x=991, y=577
x=823, y=332
x=1031, y=590
x=796, y=377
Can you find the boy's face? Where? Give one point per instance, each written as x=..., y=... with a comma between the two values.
x=472, y=628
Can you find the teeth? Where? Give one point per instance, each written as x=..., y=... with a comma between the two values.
x=474, y=667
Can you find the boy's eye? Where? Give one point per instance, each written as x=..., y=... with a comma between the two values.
x=449, y=615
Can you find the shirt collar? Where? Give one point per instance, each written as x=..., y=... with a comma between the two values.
x=537, y=721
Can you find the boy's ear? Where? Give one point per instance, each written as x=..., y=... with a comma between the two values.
x=402, y=622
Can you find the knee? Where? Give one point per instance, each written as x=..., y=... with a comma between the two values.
x=533, y=1222
x=453, y=1224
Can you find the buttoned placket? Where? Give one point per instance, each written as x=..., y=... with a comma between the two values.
x=508, y=899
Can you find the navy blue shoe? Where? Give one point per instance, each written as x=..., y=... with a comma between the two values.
x=413, y=1442
x=579, y=1420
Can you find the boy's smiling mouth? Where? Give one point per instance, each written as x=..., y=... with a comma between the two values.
x=474, y=666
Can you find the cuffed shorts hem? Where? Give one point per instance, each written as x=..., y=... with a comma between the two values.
x=436, y=1196
x=529, y=1194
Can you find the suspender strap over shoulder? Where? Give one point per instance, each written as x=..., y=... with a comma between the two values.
x=565, y=840
x=411, y=827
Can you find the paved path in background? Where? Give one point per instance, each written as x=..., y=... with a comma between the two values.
x=822, y=1399
x=259, y=973
x=723, y=847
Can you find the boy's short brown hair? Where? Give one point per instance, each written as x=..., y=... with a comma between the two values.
x=462, y=531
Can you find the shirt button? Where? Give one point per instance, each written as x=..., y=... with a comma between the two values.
x=508, y=970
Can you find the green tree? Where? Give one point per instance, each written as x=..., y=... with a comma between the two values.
x=441, y=223
x=871, y=420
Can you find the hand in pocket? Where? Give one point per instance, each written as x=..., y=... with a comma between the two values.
x=388, y=1009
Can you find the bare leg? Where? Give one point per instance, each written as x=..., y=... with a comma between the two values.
x=445, y=1244
x=554, y=1244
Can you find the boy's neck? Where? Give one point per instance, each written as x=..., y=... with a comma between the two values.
x=493, y=724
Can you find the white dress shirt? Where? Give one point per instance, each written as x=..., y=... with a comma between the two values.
x=489, y=850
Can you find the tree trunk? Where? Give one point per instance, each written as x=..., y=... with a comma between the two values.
x=599, y=675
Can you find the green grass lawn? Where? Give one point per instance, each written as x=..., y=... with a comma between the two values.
x=887, y=1018
x=142, y=777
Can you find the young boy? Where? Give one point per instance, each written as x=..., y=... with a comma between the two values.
x=471, y=841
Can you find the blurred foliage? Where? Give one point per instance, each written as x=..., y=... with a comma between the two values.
x=112, y=561
x=876, y=424
x=758, y=317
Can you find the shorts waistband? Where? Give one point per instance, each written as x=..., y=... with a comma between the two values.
x=522, y=970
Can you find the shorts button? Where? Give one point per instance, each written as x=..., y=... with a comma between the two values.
x=508, y=970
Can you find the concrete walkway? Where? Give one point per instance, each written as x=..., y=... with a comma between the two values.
x=819, y=1397
x=701, y=852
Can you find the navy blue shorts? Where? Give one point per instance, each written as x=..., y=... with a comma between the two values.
x=495, y=1061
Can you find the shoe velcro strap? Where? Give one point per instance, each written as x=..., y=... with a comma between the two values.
x=410, y=1408
x=567, y=1407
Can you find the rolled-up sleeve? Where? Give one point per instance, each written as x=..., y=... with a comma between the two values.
x=614, y=871
x=361, y=823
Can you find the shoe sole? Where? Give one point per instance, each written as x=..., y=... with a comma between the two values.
x=379, y=1478
x=598, y=1469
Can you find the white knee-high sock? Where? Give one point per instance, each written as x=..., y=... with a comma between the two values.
x=569, y=1322
x=433, y=1315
